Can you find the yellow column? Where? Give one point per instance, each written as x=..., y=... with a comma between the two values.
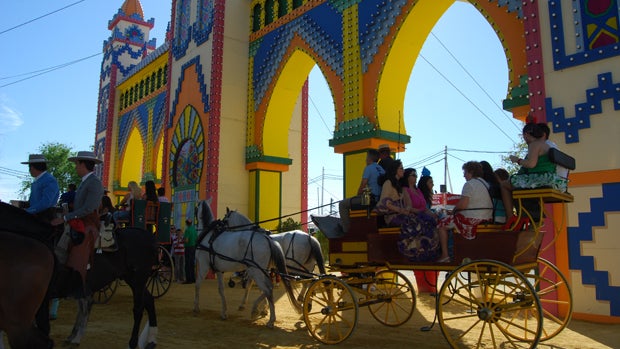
x=352, y=63
x=267, y=205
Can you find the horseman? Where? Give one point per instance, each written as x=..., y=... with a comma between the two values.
x=44, y=195
x=84, y=219
x=44, y=191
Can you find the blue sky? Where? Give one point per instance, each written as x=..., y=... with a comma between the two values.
x=443, y=107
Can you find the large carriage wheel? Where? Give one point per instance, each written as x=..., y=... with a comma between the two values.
x=394, y=296
x=555, y=297
x=159, y=283
x=330, y=310
x=489, y=304
x=104, y=295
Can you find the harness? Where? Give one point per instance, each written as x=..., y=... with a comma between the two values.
x=216, y=229
x=299, y=267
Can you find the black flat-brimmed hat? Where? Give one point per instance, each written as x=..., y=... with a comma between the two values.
x=85, y=156
x=35, y=159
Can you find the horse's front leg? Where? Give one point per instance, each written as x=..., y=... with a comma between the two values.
x=220, y=288
x=244, y=300
x=138, y=312
x=81, y=320
x=148, y=337
x=202, y=268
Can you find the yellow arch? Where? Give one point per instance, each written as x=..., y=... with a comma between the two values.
x=282, y=102
x=406, y=49
x=133, y=157
x=402, y=56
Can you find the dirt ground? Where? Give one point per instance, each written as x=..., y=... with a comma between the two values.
x=179, y=327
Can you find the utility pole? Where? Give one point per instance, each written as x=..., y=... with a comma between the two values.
x=322, y=187
x=445, y=168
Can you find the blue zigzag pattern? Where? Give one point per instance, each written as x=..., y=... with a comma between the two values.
x=321, y=28
x=201, y=82
x=587, y=221
x=594, y=98
x=141, y=115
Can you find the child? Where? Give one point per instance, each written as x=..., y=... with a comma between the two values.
x=178, y=253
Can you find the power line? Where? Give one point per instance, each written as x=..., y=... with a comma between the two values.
x=35, y=19
x=13, y=173
x=46, y=70
x=467, y=98
x=480, y=151
x=320, y=115
x=511, y=120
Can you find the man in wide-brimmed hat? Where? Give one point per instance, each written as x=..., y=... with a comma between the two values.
x=44, y=190
x=84, y=219
x=385, y=156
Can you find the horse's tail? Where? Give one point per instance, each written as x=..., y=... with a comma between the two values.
x=317, y=253
x=277, y=255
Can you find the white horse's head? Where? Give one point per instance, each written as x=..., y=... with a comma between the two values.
x=236, y=220
x=204, y=215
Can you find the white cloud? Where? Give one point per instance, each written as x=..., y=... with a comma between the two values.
x=10, y=119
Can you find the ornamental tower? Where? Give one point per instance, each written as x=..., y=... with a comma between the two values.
x=127, y=45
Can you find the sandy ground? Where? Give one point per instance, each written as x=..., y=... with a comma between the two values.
x=179, y=327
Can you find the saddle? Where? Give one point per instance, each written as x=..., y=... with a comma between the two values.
x=106, y=242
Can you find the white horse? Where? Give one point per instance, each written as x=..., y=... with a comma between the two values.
x=251, y=250
x=301, y=250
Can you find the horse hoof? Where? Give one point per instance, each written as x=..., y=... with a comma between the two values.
x=270, y=325
x=223, y=317
x=69, y=344
x=241, y=308
x=151, y=345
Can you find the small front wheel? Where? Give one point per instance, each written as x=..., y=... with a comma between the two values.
x=159, y=283
x=394, y=296
x=330, y=310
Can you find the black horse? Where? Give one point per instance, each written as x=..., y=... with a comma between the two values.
x=134, y=262
x=26, y=267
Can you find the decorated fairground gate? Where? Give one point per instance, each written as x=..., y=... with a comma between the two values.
x=188, y=133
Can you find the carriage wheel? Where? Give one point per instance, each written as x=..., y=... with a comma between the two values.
x=330, y=310
x=159, y=283
x=395, y=296
x=489, y=304
x=104, y=295
x=555, y=297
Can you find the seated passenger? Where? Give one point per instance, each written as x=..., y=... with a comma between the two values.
x=124, y=207
x=474, y=207
x=418, y=200
x=499, y=213
x=393, y=203
x=370, y=179
x=536, y=170
x=418, y=240
x=425, y=186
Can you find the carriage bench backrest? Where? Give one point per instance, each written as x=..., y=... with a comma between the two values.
x=562, y=159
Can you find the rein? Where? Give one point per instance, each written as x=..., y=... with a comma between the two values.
x=255, y=224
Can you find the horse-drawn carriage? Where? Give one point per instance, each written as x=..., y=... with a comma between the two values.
x=155, y=217
x=497, y=290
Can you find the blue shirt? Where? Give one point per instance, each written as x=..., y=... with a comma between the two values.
x=372, y=173
x=44, y=193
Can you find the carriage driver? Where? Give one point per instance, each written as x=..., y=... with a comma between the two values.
x=84, y=219
x=44, y=191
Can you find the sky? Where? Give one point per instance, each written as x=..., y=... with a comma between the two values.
x=453, y=98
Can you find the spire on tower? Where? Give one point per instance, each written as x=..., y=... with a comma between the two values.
x=131, y=7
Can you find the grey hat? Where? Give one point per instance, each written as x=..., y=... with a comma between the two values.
x=35, y=159
x=85, y=156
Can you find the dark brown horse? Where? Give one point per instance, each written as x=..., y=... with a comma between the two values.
x=26, y=268
x=133, y=262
